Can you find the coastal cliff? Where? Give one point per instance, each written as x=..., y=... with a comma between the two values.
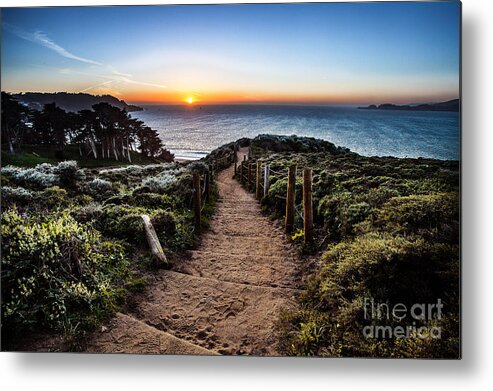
x=451, y=105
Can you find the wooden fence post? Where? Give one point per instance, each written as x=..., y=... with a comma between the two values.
x=258, y=193
x=290, y=198
x=243, y=169
x=307, y=205
x=266, y=179
x=206, y=185
x=153, y=241
x=197, y=203
x=250, y=175
x=209, y=173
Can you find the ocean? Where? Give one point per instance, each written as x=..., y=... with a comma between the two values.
x=190, y=132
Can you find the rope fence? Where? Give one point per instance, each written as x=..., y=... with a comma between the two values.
x=255, y=176
x=202, y=184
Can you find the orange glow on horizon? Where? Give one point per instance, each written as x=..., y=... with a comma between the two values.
x=237, y=97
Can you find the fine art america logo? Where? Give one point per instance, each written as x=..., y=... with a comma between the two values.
x=413, y=321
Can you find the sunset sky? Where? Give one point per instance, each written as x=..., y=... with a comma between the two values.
x=288, y=53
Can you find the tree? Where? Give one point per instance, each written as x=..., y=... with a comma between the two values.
x=85, y=134
x=15, y=122
x=105, y=128
x=51, y=124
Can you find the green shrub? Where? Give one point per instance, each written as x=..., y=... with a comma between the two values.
x=57, y=273
x=100, y=188
x=164, y=223
x=69, y=174
x=340, y=214
x=302, y=332
x=354, y=214
x=40, y=177
x=16, y=196
x=153, y=200
x=383, y=268
x=89, y=214
x=53, y=197
x=83, y=199
x=276, y=198
x=182, y=190
x=118, y=199
x=124, y=222
x=433, y=216
x=4, y=181
x=163, y=181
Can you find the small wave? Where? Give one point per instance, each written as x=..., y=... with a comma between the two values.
x=189, y=155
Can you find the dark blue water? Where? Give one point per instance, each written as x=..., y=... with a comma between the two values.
x=192, y=131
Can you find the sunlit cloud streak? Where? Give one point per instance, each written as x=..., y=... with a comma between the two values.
x=105, y=83
x=115, y=71
x=114, y=77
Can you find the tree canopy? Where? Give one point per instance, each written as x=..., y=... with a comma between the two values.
x=106, y=131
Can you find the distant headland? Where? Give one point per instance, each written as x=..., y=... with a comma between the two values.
x=451, y=105
x=71, y=101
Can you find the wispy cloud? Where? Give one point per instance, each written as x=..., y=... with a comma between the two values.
x=107, y=72
x=114, y=77
x=142, y=83
x=115, y=71
x=42, y=39
x=105, y=83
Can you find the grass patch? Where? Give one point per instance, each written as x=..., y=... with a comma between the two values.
x=32, y=155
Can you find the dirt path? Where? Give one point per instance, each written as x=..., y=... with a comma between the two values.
x=224, y=298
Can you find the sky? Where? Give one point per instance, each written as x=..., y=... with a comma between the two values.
x=333, y=53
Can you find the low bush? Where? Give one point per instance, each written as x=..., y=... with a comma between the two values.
x=160, y=183
x=153, y=200
x=40, y=177
x=199, y=167
x=431, y=214
x=124, y=222
x=16, y=196
x=380, y=268
x=164, y=223
x=89, y=214
x=100, y=188
x=69, y=174
x=118, y=199
x=53, y=197
x=66, y=174
x=57, y=273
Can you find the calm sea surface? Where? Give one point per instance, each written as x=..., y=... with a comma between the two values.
x=193, y=131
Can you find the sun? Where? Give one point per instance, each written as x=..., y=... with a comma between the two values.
x=190, y=100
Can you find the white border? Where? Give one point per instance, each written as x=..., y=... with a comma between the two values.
x=475, y=371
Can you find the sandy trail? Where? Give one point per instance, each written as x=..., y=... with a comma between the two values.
x=224, y=298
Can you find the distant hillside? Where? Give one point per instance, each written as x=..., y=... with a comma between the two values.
x=70, y=101
x=451, y=105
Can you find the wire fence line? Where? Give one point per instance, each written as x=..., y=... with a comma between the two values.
x=258, y=180
x=276, y=172
x=250, y=173
x=202, y=183
x=300, y=213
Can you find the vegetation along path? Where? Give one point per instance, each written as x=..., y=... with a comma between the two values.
x=224, y=298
